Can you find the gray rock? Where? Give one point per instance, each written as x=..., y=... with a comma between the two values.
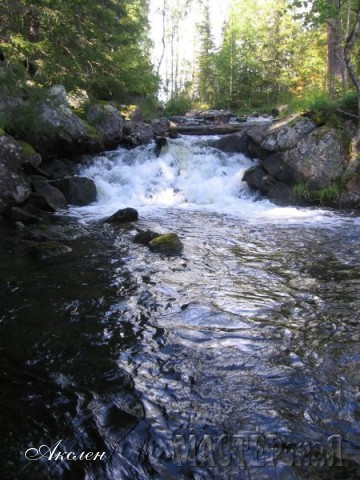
x=52, y=128
x=319, y=159
x=260, y=180
x=59, y=168
x=14, y=188
x=281, y=135
x=144, y=237
x=233, y=143
x=108, y=122
x=46, y=196
x=169, y=244
x=350, y=198
x=137, y=133
x=160, y=127
x=77, y=190
x=17, y=214
x=123, y=216
x=287, y=134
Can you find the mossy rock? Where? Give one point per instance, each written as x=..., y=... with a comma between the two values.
x=168, y=244
x=27, y=149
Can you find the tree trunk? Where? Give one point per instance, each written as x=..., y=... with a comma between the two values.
x=336, y=69
x=349, y=44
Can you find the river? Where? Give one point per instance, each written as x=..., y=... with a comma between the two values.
x=239, y=359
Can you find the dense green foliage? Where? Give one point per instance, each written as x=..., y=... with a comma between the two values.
x=100, y=46
x=265, y=57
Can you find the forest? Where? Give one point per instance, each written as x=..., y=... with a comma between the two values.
x=270, y=52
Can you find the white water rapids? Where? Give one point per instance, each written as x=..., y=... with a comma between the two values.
x=188, y=175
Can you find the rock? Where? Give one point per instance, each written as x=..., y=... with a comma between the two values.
x=287, y=134
x=77, y=190
x=122, y=216
x=46, y=196
x=144, y=237
x=233, y=143
x=282, y=135
x=77, y=98
x=32, y=157
x=37, y=236
x=51, y=127
x=160, y=142
x=58, y=94
x=160, y=127
x=14, y=188
x=17, y=214
x=137, y=133
x=59, y=168
x=258, y=179
x=108, y=122
x=46, y=250
x=168, y=244
x=318, y=160
x=350, y=198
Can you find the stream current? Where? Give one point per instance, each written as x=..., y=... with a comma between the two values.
x=239, y=359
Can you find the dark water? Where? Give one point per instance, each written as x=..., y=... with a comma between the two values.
x=253, y=331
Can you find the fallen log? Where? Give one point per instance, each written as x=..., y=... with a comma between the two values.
x=209, y=129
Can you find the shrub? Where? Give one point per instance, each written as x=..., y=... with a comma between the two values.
x=178, y=105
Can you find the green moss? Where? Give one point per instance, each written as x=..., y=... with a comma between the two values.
x=27, y=149
x=1, y=132
x=168, y=244
x=91, y=131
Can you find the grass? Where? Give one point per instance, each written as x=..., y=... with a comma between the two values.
x=326, y=195
x=300, y=191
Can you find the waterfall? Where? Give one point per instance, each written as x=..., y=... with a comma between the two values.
x=189, y=174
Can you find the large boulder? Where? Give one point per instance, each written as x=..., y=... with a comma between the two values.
x=318, y=160
x=79, y=191
x=51, y=127
x=137, y=133
x=259, y=179
x=160, y=127
x=14, y=187
x=45, y=196
x=350, y=198
x=233, y=143
x=108, y=122
x=282, y=135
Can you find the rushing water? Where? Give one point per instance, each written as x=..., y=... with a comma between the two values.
x=247, y=344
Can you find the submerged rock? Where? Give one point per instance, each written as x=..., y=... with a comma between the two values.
x=124, y=215
x=169, y=244
x=47, y=249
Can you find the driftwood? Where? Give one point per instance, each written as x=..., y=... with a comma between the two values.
x=209, y=129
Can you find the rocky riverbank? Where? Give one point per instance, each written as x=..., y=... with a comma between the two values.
x=42, y=142
x=300, y=161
